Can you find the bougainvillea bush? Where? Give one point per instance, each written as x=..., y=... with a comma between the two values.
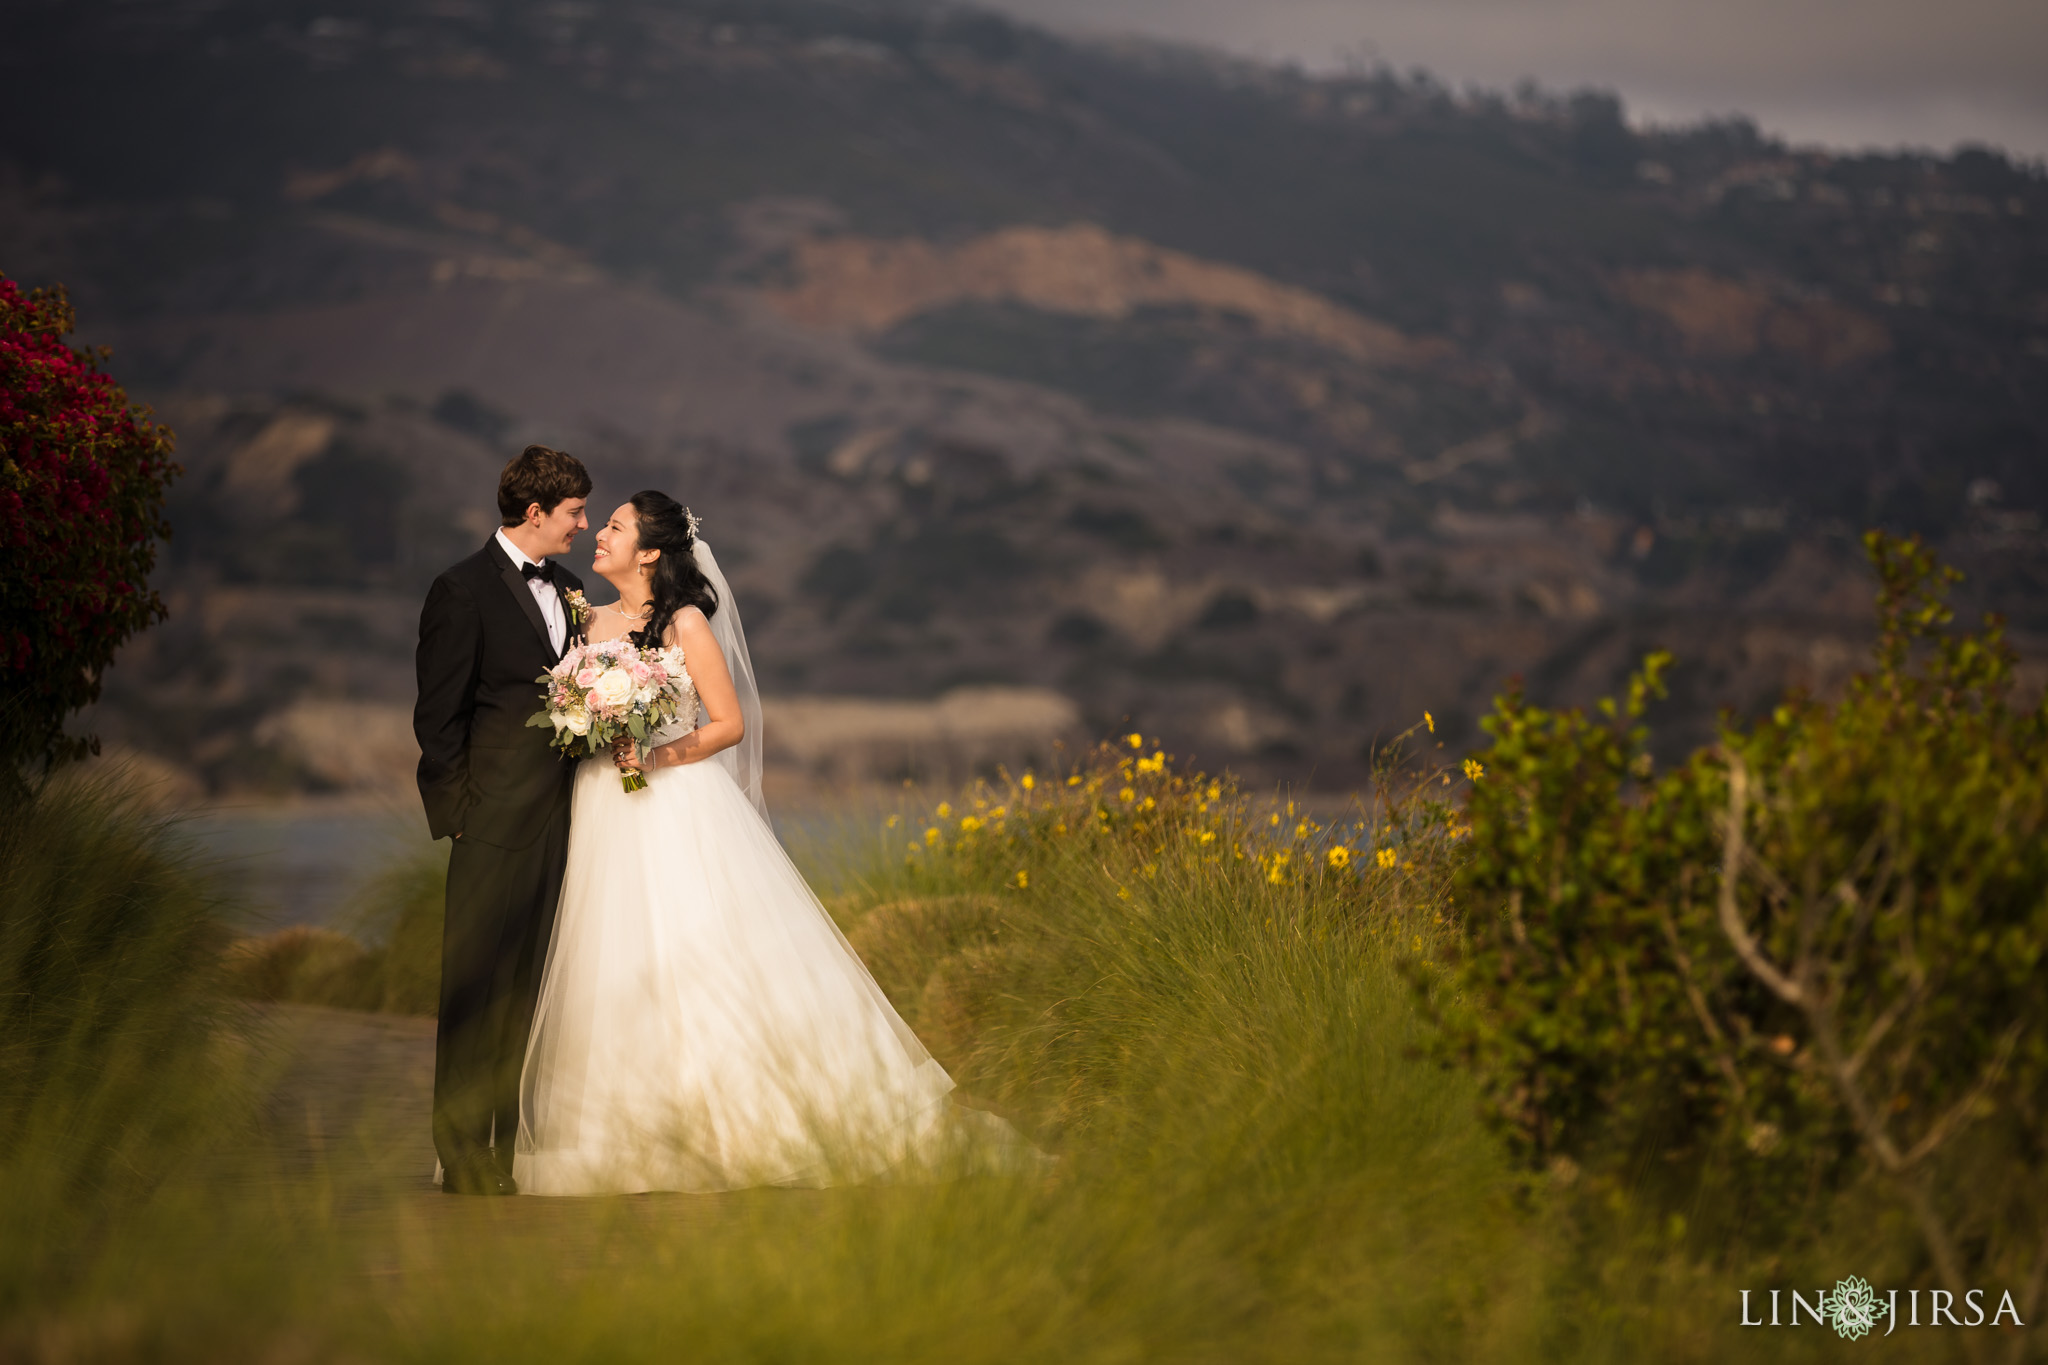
x=82, y=479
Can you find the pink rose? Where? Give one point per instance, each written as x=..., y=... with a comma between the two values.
x=641, y=673
x=586, y=677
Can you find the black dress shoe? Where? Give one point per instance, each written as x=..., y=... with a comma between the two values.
x=476, y=1173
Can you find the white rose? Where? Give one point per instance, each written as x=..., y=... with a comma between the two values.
x=576, y=723
x=613, y=687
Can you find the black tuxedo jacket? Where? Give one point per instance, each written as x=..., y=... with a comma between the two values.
x=483, y=641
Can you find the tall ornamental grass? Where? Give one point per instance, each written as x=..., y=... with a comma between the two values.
x=110, y=1049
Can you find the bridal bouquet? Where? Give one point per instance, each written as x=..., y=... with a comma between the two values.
x=599, y=692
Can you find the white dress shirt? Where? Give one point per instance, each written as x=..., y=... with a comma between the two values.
x=543, y=593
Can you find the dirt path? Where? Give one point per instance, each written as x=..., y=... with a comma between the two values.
x=345, y=1124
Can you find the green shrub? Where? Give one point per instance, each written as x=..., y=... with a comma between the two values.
x=389, y=959
x=304, y=965
x=1807, y=958
x=399, y=912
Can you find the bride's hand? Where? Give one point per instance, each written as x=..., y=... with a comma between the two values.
x=622, y=753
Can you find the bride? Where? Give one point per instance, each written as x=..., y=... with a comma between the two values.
x=703, y=1025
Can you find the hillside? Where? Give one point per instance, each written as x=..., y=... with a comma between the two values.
x=1263, y=409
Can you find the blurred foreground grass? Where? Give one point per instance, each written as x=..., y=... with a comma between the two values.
x=1202, y=1005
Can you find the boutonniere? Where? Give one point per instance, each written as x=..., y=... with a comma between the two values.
x=579, y=607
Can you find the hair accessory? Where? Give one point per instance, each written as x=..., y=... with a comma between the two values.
x=690, y=520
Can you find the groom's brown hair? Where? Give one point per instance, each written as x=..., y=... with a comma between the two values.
x=538, y=474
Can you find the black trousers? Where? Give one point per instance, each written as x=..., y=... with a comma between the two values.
x=501, y=912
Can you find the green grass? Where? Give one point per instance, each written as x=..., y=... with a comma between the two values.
x=1257, y=1162
x=111, y=1059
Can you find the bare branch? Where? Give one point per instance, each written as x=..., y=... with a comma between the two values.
x=1871, y=1125
x=1733, y=856
x=1959, y=1112
x=1883, y=1025
x=1722, y=1057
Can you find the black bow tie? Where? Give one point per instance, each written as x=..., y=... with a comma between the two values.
x=544, y=572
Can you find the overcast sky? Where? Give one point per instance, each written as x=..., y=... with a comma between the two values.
x=1851, y=73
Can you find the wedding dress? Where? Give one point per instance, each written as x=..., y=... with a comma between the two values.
x=703, y=1024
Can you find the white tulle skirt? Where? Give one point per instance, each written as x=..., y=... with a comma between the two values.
x=703, y=1025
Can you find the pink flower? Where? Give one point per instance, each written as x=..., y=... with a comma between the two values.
x=588, y=676
x=641, y=673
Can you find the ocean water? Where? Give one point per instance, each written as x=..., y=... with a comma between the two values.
x=300, y=862
x=306, y=861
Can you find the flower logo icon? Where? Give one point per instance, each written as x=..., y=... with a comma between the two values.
x=1853, y=1309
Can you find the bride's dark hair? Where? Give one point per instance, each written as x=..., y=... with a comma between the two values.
x=677, y=582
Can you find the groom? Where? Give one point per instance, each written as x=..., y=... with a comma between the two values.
x=492, y=625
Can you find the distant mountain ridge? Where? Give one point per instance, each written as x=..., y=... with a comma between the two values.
x=1264, y=409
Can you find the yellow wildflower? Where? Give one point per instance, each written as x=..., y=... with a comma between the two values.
x=1430, y=721
x=1074, y=781
x=1386, y=857
x=1123, y=893
x=1474, y=769
x=891, y=822
x=999, y=812
x=969, y=823
x=945, y=811
x=1127, y=795
x=931, y=836
x=1215, y=791
x=1340, y=856
x=1274, y=875
x=1301, y=830
x=1276, y=819
x=1135, y=741
x=1028, y=782
x=1060, y=828
x=1023, y=879
x=1147, y=804
x=1208, y=836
